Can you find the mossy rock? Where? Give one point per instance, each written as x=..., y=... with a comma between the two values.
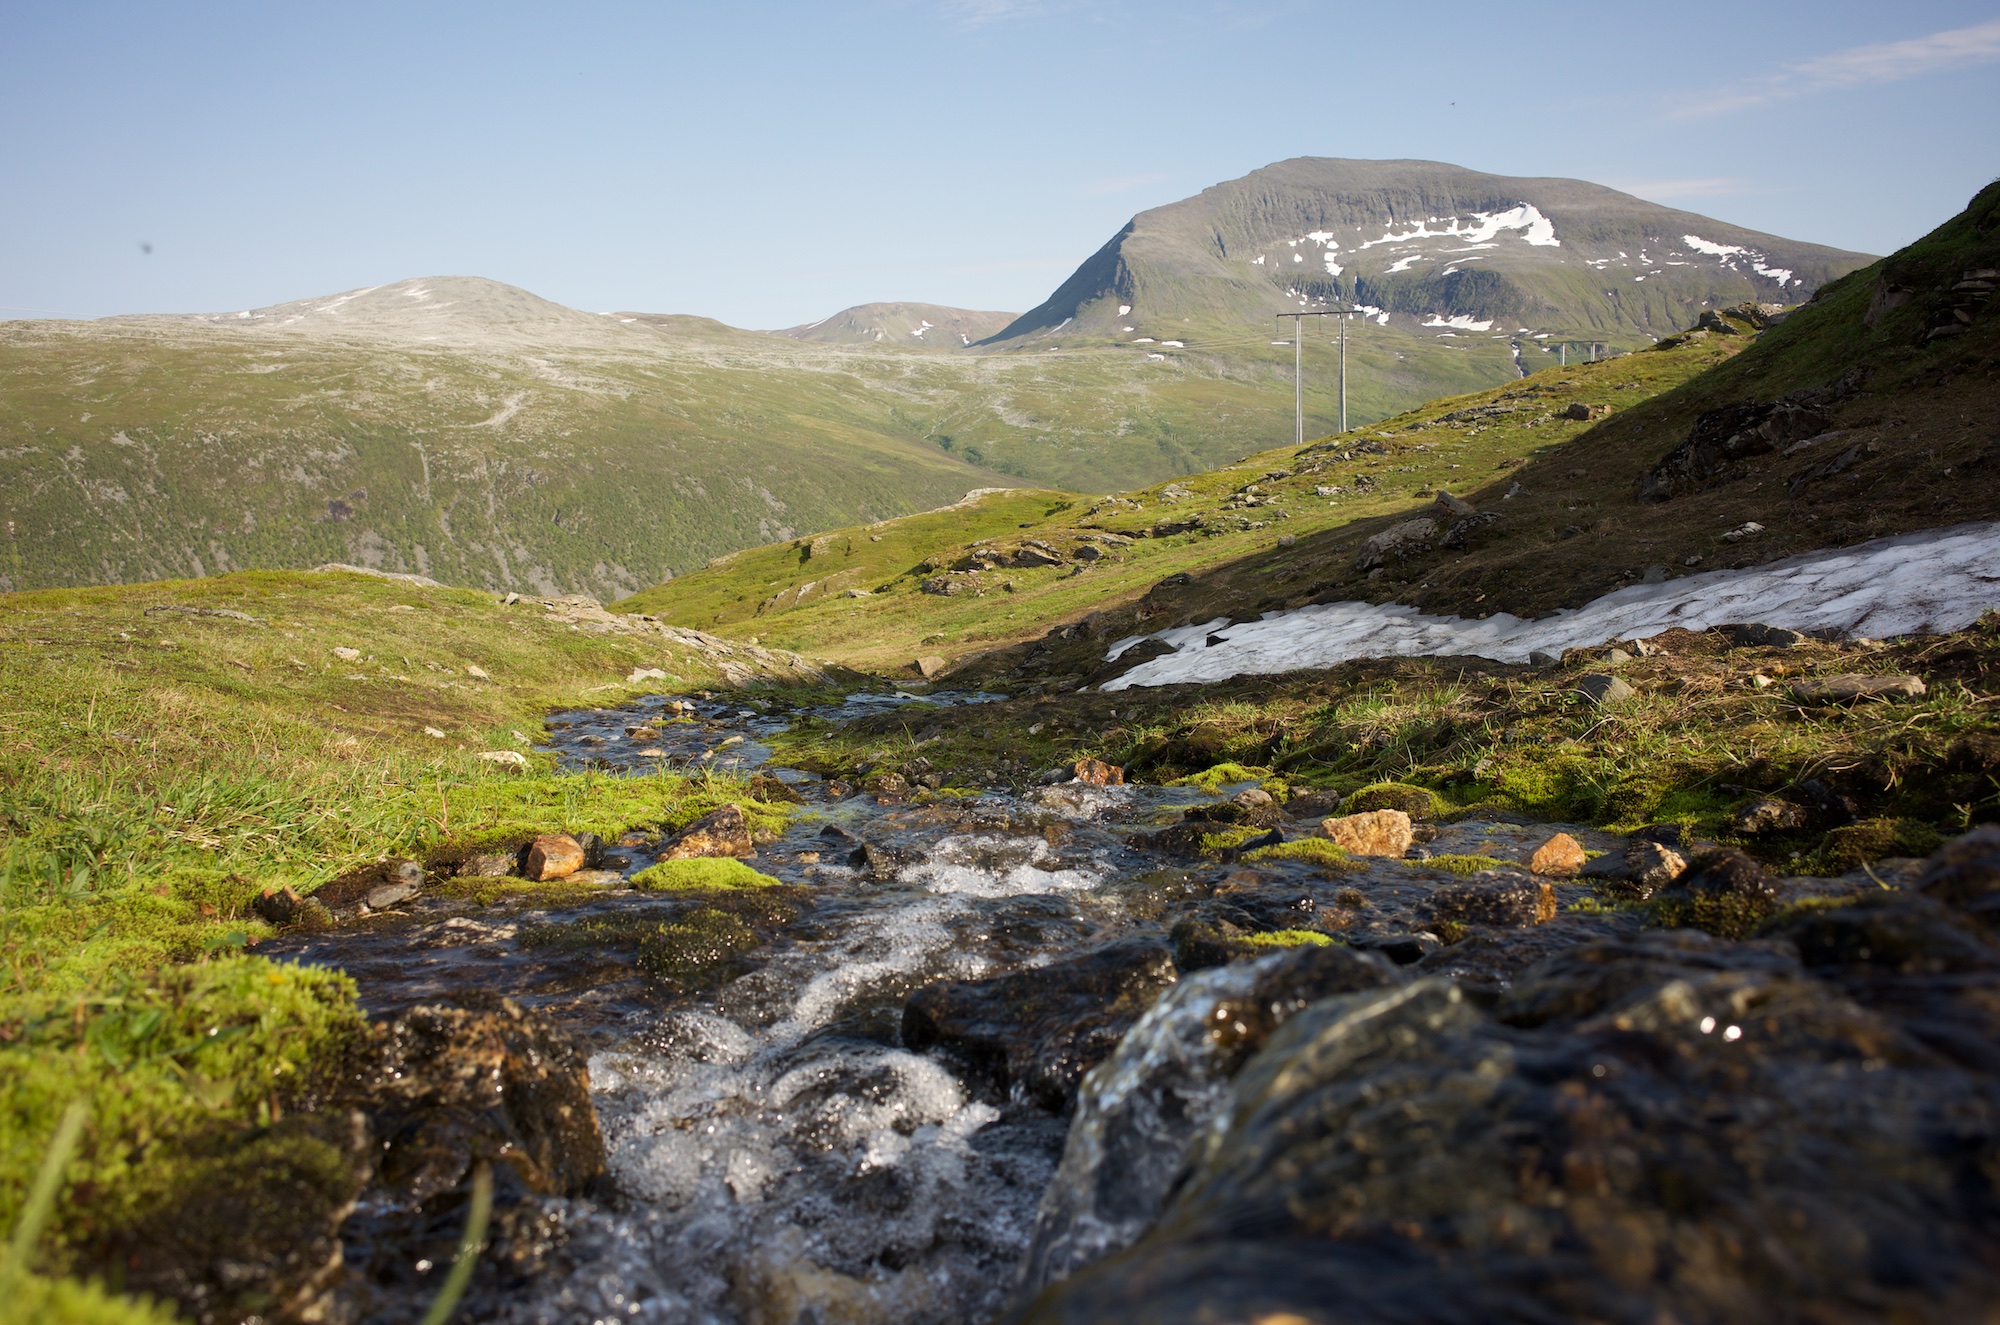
x=708, y=872
x=1228, y=839
x=1289, y=938
x=1420, y=803
x=1860, y=843
x=1460, y=864
x=1313, y=850
x=1217, y=776
x=696, y=946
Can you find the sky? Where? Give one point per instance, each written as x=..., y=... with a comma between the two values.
x=769, y=164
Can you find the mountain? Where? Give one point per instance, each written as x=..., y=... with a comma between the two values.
x=1427, y=248
x=478, y=433
x=928, y=325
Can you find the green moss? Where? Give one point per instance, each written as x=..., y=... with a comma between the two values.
x=718, y=872
x=696, y=946
x=1724, y=917
x=483, y=891
x=1217, y=776
x=1459, y=864
x=1858, y=844
x=163, y=1058
x=35, y=1300
x=1289, y=938
x=1419, y=803
x=1314, y=850
x=1228, y=839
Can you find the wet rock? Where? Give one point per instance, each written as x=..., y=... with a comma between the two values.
x=1723, y=892
x=1542, y=658
x=1650, y=867
x=1769, y=814
x=450, y=1086
x=886, y=786
x=1966, y=874
x=486, y=865
x=1668, y=1129
x=1603, y=689
x=278, y=906
x=251, y=1230
x=722, y=832
x=390, y=894
x=1138, y=1112
x=1312, y=804
x=1498, y=897
x=553, y=856
x=1561, y=857
x=1851, y=688
x=1375, y=833
x=1403, y=948
x=1254, y=798
x=1040, y=1030
x=1098, y=773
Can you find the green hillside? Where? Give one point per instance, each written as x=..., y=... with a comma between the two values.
x=928, y=593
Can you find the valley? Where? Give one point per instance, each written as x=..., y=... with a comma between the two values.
x=1528, y=856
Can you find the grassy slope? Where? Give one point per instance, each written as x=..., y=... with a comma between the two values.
x=158, y=770
x=888, y=629
x=134, y=451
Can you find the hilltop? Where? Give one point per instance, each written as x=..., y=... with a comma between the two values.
x=1428, y=248
x=928, y=325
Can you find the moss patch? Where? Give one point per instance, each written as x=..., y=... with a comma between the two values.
x=1313, y=850
x=1217, y=776
x=702, y=873
x=1289, y=938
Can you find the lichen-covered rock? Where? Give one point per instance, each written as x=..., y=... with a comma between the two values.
x=1040, y=1030
x=1375, y=833
x=1851, y=688
x=723, y=832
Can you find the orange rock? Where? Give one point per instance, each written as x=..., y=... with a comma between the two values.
x=554, y=856
x=1376, y=833
x=1561, y=857
x=723, y=833
x=1098, y=773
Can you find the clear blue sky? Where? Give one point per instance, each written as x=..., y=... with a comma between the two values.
x=769, y=164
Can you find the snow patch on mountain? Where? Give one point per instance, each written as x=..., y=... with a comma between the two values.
x=1929, y=582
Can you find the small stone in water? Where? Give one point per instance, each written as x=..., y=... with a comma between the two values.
x=1376, y=833
x=1561, y=857
x=554, y=856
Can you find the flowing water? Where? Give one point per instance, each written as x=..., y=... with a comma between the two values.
x=777, y=1153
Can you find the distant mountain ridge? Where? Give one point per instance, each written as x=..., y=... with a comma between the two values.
x=931, y=326
x=1424, y=246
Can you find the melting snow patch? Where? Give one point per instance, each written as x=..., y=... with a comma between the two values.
x=1124, y=310
x=1403, y=264
x=1179, y=345
x=1538, y=229
x=1937, y=580
x=1381, y=315
x=1257, y=261
x=1463, y=321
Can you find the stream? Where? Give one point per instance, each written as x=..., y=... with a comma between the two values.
x=777, y=1152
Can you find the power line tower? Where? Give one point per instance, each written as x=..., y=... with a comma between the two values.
x=1299, y=364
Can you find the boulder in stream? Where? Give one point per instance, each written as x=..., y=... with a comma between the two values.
x=1040, y=1030
x=724, y=832
x=1658, y=1126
